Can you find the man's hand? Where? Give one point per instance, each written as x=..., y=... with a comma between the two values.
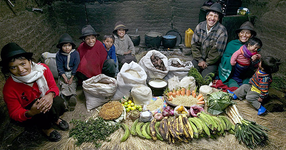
x=203, y=64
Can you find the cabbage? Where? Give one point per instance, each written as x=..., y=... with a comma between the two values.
x=218, y=102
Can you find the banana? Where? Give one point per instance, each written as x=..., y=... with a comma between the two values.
x=205, y=128
x=144, y=131
x=228, y=123
x=197, y=123
x=180, y=125
x=164, y=131
x=170, y=138
x=173, y=132
x=138, y=129
x=188, y=126
x=194, y=129
x=153, y=130
x=220, y=125
x=148, y=129
x=217, y=121
x=133, y=128
x=157, y=124
x=208, y=120
x=126, y=132
x=222, y=122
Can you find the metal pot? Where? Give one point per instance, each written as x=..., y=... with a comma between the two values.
x=169, y=41
x=135, y=39
x=153, y=39
x=157, y=86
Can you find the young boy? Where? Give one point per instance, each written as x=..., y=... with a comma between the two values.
x=244, y=57
x=124, y=46
x=257, y=90
x=108, y=41
x=67, y=63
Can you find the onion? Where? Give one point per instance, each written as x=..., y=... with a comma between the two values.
x=168, y=108
x=172, y=112
x=165, y=113
x=158, y=116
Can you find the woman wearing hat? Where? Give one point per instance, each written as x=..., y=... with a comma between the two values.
x=67, y=62
x=31, y=93
x=245, y=32
x=209, y=41
x=124, y=46
x=93, y=56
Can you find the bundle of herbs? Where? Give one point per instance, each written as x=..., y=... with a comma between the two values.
x=246, y=131
x=93, y=130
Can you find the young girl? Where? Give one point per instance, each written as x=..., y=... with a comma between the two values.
x=67, y=62
x=257, y=90
x=124, y=46
x=31, y=93
x=244, y=57
x=108, y=41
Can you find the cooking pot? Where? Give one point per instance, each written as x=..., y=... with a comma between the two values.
x=157, y=86
x=135, y=39
x=153, y=39
x=169, y=41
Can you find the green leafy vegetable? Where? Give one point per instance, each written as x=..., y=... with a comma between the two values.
x=94, y=130
x=218, y=102
x=199, y=78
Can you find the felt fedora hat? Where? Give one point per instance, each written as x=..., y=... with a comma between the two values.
x=215, y=7
x=11, y=50
x=119, y=25
x=65, y=38
x=247, y=26
x=87, y=30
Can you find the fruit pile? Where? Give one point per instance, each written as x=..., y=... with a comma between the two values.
x=181, y=128
x=129, y=105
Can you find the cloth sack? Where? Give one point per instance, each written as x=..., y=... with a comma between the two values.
x=130, y=75
x=98, y=90
x=50, y=60
x=180, y=72
x=147, y=65
x=141, y=94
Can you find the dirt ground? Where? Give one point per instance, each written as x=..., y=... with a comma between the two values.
x=276, y=121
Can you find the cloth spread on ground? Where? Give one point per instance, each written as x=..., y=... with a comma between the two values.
x=218, y=84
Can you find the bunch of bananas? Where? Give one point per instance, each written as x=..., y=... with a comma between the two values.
x=182, y=128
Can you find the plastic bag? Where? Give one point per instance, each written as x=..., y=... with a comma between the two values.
x=50, y=60
x=98, y=90
x=147, y=65
x=126, y=79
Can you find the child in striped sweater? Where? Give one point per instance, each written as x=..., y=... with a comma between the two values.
x=244, y=57
x=257, y=90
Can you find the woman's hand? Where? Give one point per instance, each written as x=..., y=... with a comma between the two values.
x=127, y=52
x=46, y=102
x=203, y=64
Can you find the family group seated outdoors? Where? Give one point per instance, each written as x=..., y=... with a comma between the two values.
x=33, y=97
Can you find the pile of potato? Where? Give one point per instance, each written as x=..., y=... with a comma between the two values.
x=158, y=63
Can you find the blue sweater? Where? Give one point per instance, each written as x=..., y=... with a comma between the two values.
x=111, y=53
x=62, y=62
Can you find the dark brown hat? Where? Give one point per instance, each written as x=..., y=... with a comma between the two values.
x=65, y=38
x=11, y=50
x=87, y=30
x=119, y=25
x=247, y=26
x=216, y=7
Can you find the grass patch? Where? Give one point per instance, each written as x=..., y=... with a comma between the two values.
x=279, y=83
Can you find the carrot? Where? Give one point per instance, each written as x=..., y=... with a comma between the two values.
x=201, y=98
x=170, y=98
x=188, y=92
x=179, y=92
x=201, y=102
x=194, y=93
x=174, y=93
x=183, y=91
x=170, y=93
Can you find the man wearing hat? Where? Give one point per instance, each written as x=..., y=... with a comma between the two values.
x=124, y=46
x=209, y=41
x=93, y=56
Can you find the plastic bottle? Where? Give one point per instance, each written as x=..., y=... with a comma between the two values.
x=188, y=37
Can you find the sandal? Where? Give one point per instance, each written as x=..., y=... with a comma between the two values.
x=63, y=125
x=55, y=136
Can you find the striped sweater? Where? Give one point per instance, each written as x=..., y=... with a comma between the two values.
x=261, y=81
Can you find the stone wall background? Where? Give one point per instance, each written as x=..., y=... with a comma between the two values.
x=38, y=32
